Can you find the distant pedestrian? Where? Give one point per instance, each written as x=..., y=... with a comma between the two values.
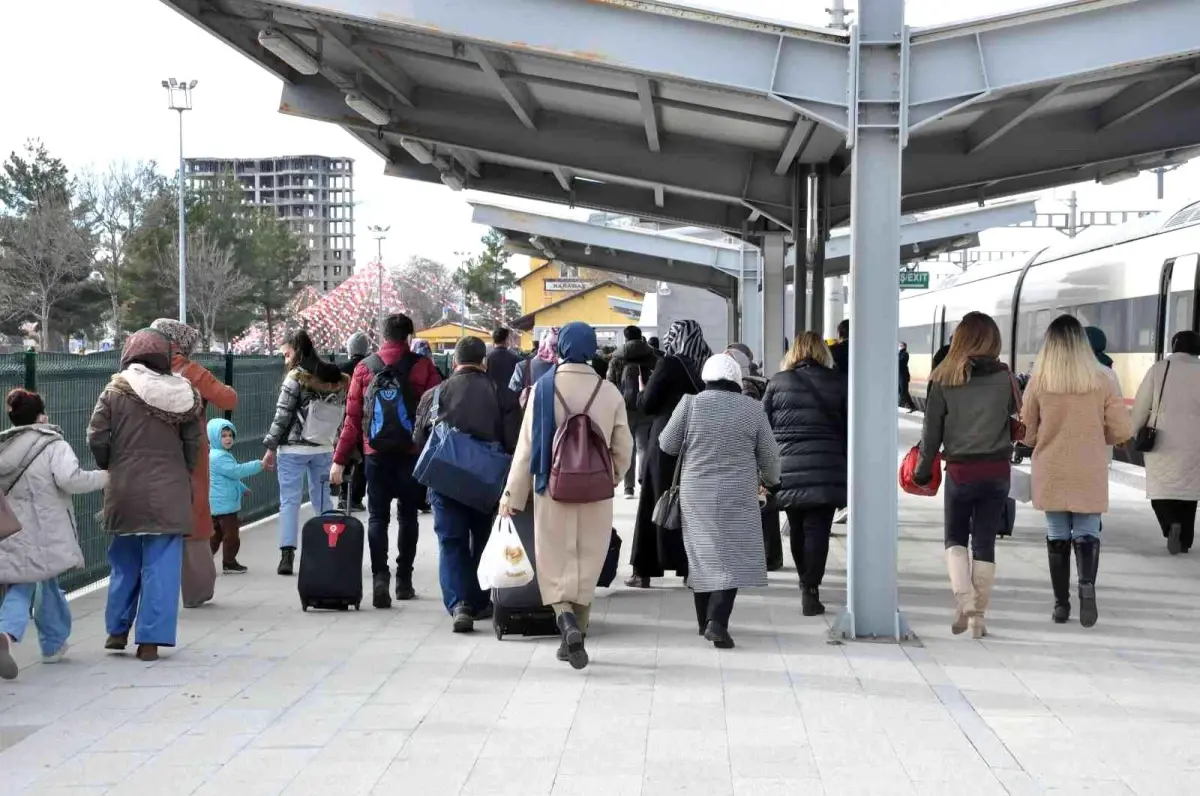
x=906, y=401
x=1073, y=413
x=393, y=379
x=421, y=347
x=1168, y=401
x=147, y=432
x=199, y=571
x=300, y=441
x=753, y=384
x=38, y=475
x=571, y=539
x=353, y=490
x=629, y=370
x=501, y=360
x=840, y=351
x=472, y=403
x=528, y=371
x=226, y=491
x=968, y=411
x=653, y=341
x=806, y=406
x=729, y=459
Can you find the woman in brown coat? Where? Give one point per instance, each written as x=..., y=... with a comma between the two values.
x=146, y=432
x=199, y=571
x=1073, y=414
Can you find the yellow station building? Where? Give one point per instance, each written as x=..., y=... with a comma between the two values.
x=554, y=296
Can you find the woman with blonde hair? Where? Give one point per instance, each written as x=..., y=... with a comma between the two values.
x=969, y=406
x=1073, y=414
x=805, y=404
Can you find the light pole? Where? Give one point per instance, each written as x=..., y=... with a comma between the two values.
x=179, y=98
x=380, y=237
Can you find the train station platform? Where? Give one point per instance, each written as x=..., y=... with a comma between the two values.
x=261, y=699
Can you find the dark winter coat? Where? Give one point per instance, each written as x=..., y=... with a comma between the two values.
x=147, y=432
x=472, y=403
x=841, y=355
x=905, y=377
x=811, y=437
x=672, y=379
x=629, y=369
x=500, y=364
x=349, y=365
x=308, y=381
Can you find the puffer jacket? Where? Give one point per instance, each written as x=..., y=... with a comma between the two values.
x=225, y=474
x=629, y=370
x=311, y=380
x=811, y=434
x=47, y=545
x=472, y=403
x=147, y=432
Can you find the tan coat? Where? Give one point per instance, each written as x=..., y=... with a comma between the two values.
x=1071, y=436
x=571, y=540
x=1173, y=467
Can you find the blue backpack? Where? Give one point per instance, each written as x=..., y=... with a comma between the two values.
x=389, y=406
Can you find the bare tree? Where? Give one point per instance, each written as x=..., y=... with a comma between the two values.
x=214, y=283
x=45, y=259
x=118, y=204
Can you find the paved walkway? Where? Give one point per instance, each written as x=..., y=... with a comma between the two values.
x=262, y=699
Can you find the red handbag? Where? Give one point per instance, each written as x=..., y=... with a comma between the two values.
x=908, y=467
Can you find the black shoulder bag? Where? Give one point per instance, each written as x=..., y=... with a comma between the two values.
x=1148, y=435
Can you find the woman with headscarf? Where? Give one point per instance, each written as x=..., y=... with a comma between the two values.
x=677, y=374
x=421, y=347
x=199, y=570
x=753, y=384
x=529, y=371
x=570, y=539
x=147, y=432
x=729, y=458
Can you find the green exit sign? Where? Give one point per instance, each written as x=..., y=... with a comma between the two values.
x=914, y=280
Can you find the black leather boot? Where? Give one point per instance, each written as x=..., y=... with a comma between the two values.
x=810, y=601
x=379, y=590
x=404, y=587
x=287, y=560
x=1058, y=551
x=1087, y=563
x=572, y=638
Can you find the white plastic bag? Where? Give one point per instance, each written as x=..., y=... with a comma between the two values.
x=504, y=564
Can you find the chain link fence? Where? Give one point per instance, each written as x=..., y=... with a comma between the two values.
x=70, y=385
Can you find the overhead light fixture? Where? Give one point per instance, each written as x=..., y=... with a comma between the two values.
x=419, y=151
x=452, y=181
x=288, y=51
x=368, y=108
x=1118, y=176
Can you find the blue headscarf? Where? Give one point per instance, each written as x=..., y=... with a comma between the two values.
x=576, y=345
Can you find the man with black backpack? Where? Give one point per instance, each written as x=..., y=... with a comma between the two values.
x=381, y=410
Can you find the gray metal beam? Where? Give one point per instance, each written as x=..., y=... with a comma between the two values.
x=774, y=290
x=389, y=76
x=563, y=178
x=469, y=161
x=801, y=134
x=604, y=152
x=649, y=115
x=514, y=93
x=1140, y=97
x=996, y=123
x=620, y=262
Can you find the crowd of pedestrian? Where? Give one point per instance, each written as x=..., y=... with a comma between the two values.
x=711, y=449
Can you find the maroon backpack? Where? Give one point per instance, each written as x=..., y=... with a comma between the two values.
x=581, y=468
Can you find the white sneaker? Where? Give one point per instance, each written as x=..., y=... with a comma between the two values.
x=839, y=518
x=57, y=656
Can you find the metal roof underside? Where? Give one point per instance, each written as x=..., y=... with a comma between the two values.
x=717, y=266
x=646, y=108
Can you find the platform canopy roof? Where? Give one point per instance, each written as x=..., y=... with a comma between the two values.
x=715, y=265
x=654, y=109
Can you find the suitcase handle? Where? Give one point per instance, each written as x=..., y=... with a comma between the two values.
x=327, y=512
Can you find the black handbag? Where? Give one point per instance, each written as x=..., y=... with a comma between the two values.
x=667, y=513
x=1148, y=435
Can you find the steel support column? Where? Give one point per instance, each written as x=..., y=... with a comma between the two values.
x=750, y=303
x=774, y=248
x=817, y=229
x=879, y=64
x=800, y=237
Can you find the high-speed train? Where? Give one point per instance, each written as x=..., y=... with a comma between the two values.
x=1138, y=282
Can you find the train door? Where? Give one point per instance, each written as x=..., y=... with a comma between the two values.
x=1178, y=308
x=938, y=338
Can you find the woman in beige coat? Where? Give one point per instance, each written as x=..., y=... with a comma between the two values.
x=1073, y=414
x=570, y=539
x=1169, y=401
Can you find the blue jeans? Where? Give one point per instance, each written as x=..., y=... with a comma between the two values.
x=144, y=585
x=462, y=533
x=292, y=468
x=1070, y=525
x=51, y=615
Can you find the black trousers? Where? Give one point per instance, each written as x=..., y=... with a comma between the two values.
x=714, y=606
x=390, y=478
x=975, y=514
x=906, y=401
x=1183, y=512
x=810, y=542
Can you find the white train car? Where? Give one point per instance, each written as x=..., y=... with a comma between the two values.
x=1139, y=283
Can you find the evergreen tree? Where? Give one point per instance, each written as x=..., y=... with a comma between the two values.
x=485, y=279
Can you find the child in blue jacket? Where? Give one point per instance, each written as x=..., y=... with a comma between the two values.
x=225, y=492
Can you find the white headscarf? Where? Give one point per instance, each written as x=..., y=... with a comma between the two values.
x=722, y=367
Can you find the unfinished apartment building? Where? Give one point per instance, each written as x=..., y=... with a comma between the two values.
x=312, y=193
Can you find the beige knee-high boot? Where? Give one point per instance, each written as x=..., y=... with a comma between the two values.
x=958, y=562
x=983, y=576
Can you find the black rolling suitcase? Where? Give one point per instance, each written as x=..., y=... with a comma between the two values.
x=520, y=611
x=331, y=562
x=1010, y=517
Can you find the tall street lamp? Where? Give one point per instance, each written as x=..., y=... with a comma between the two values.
x=179, y=98
x=380, y=237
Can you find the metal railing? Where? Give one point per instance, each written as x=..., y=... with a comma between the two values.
x=70, y=385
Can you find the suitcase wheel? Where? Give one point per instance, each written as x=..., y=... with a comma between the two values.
x=304, y=606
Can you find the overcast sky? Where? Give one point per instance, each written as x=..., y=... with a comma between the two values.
x=84, y=77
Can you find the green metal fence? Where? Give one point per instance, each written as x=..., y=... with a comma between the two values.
x=70, y=385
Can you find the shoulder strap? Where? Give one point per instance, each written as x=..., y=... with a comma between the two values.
x=588, y=407
x=686, y=369
x=30, y=458
x=687, y=426
x=374, y=364
x=1162, y=388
